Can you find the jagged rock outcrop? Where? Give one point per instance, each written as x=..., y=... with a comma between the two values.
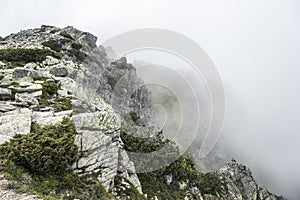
x=240, y=184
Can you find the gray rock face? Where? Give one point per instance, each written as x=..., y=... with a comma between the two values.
x=240, y=184
x=15, y=122
x=99, y=138
x=6, y=107
x=59, y=71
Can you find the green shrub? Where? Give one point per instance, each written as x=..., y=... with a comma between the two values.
x=154, y=185
x=181, y=167
x=134, y=116
x=53, y=44
x=49, y=89
x=62, y=104
x=54, y=31
x=111, y=80
x=38, y=163
x=66, y=35
x=25, y=55
x=46, y=150
x=76, y=45
x=143, y=145
x=77, y=54
x=132, y=192
x=64, y=41
x=55, y=187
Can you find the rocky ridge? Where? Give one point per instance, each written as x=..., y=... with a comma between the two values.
x=98, y=94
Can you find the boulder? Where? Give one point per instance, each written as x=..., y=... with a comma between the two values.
x=59, y=71
x=67, y=84
x=26, y=99
x=21, y=74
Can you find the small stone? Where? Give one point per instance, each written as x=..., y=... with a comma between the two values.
x=2, y=65
x=64, y=113
x=25, y=84
x=50, y=61
x=50, y=80
x=5, y=94
x=39, y=82
x=31, y=66
x=37, y=94
x=62, y=93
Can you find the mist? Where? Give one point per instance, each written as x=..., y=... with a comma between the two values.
x=254, y=45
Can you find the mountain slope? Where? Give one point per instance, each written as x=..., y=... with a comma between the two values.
x=55, y=81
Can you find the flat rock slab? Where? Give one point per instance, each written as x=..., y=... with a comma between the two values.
x=14, y=123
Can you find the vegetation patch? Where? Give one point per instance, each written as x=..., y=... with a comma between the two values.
x=76, y=45
x=126, y=190
x=62, y=104
x=57, y=45
x=23, y=56
x=134, y=116
x=111, y=80
x=49, y=89
x=66, y=35
x=53, y=44
x=182, y=169
x=46, y=150
x=79, y=55
x=38, y=163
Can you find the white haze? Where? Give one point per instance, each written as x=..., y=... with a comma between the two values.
x=254, y=44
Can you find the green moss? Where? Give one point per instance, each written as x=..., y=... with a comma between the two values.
x=66, y=35
x=23, y=56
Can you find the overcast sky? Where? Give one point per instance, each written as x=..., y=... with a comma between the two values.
x=254, y=44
